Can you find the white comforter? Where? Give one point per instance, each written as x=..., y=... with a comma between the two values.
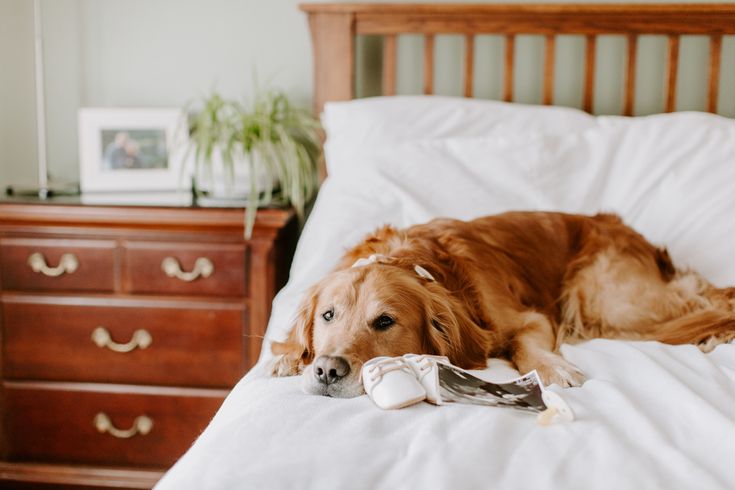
x=649, y=416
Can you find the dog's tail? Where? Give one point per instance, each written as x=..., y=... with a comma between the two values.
x=704, y=327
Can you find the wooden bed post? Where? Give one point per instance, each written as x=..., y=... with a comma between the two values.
x=333, y=41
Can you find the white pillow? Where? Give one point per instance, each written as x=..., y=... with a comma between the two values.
x=363, y=124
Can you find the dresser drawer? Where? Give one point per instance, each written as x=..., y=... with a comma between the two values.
x=57, y=264
x=183, y=268
x=97, y=424
x=185, y=344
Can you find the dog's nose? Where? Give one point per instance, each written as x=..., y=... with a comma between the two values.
x=330, y=369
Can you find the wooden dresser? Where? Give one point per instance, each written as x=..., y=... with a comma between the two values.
x=123, y=328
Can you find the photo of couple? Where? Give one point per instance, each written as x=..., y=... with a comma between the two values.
x=134, y=149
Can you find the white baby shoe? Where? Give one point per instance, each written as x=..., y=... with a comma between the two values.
x=424, y=366
x=391, y=383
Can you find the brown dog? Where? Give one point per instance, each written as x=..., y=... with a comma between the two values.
x=514, y=285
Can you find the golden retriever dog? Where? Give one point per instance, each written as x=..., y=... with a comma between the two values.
x=515, y=285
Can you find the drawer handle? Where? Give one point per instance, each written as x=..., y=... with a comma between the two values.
x=141, y=425
x=141, y=339
x=203, y=267
x=68, y=263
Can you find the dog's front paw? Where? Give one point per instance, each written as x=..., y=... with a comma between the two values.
x=283, y=365
x=554, y=369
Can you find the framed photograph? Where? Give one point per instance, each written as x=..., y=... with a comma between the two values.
x=130, y=150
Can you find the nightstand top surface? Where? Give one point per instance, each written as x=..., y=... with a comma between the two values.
x=147, y=209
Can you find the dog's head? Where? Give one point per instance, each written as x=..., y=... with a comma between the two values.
x=380, y=308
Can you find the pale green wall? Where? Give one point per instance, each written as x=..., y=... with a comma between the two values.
x=137, y=53
x=17, y=109
x=163, y=53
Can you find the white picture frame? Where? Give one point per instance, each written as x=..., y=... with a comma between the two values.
x=131, y=150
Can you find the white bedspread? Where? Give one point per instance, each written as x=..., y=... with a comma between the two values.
x=649, y=416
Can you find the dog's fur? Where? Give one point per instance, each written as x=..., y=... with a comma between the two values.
x=514, y=285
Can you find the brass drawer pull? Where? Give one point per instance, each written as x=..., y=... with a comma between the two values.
x=141, y=425
x=68, y=263
x=141, y=339
x=203, y=267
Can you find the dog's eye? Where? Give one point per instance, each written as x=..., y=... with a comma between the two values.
x=383, y=322
x=328, y=315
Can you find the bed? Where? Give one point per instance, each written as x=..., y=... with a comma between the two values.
x=650, y=415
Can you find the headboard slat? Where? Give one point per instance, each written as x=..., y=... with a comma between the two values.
x=389, y=65
x=469, y=64
x=630, y=75
x=714, y=72
x=672, y=72
x=589, y=72
x=549, y=70
x=429, y=64
x=510, y=52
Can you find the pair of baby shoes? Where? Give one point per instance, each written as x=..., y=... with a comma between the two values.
x=398, y=382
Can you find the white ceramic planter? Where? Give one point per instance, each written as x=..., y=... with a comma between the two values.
x=216, y=185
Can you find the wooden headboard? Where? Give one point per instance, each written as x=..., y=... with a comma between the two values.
x=334, y=27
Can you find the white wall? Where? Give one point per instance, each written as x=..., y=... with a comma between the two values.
x=17, y=110
x=165, y=53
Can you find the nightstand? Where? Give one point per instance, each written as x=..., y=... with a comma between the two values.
x=123, y=328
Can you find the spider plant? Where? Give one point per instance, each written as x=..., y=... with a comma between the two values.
x=271, y=137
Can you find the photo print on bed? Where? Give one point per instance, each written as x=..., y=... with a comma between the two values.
x=458, y=386
x=525, y=393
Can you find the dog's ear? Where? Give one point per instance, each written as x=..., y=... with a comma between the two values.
x=450, y=330
x=297, y=350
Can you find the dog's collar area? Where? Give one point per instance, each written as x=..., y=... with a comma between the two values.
x=382, y=259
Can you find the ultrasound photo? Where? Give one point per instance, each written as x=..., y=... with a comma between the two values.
x=457, y=385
